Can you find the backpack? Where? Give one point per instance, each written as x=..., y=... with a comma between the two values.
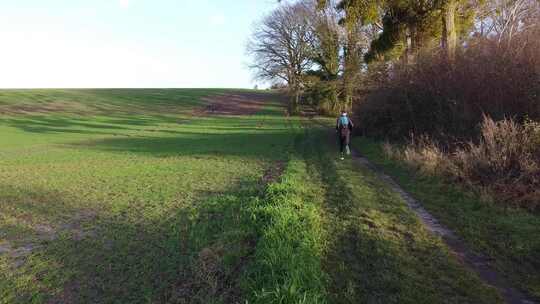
x=344, y=121
x=344, y=125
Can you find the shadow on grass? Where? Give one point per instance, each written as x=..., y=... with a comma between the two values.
x=103, y=101
x=124, y=102
x=32, y=219
x=63, y=124
x=117, y=125
x=33, y=215
x=502, y=233
x=269, y=145
x=191, y=254
x=362, y=268
x=377, y=251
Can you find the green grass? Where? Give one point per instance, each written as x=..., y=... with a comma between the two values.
x=377, y=251
x=123, y=179
x=122, y=101
x=511, y=237
x=287, y=265
x=130, y=198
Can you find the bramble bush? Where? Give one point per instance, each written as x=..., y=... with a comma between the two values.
x=448, y=100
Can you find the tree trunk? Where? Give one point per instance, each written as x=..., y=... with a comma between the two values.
x=410, y=44
x=351, y=69
x=296, y=103
x=294, y=100
x=449, y=36
x=407, y=42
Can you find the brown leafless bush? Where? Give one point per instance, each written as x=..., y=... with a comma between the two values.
x=475, y=112
x=443, y=99
x=505, y=161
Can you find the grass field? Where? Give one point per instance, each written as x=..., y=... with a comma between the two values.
x=138, y=196
x=97, y=180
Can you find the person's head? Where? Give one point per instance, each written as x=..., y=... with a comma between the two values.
x=343, y=113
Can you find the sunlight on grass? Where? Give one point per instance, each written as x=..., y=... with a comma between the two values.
x=99, y=192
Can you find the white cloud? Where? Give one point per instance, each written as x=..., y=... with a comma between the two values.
x=41, y=53
x=217, y=19
x=124, y=3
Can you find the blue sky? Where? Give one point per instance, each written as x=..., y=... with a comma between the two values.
x=126, y=43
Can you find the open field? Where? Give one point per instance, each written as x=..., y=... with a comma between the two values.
x=179, y=196
x=94, y=183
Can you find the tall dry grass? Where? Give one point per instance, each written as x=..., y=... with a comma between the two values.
x=504, y=162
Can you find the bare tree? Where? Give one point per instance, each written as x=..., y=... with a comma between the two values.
x=504, y=19
x=280, y=47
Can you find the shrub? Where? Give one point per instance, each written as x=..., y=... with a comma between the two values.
x=323, y=96
x=505, y=160
x=447, y=100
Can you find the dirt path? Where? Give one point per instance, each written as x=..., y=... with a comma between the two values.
x=233, y=104
x=476, y=263
x=468, y=258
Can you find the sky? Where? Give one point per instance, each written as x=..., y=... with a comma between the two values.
x=127, y=43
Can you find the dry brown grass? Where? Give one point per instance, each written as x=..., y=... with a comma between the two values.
x=503, y=163
x=209, y=270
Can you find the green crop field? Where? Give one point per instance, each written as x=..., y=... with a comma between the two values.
x=142, y=196
x=97, y=181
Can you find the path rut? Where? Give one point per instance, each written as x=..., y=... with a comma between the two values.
x=468, y=258
x=475, y=262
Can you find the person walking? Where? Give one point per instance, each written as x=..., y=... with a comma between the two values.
x=344, y=126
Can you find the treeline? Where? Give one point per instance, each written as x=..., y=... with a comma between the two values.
x=405, y=65
x=303, y=47
x=462, y=75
